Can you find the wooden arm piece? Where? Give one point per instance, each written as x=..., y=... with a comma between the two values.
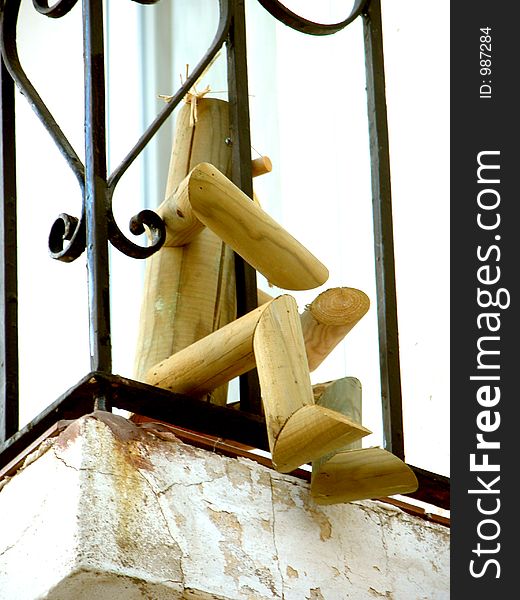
x=209, y=197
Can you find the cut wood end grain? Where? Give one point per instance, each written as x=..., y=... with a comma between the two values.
x=328, y=319
x=339, y=306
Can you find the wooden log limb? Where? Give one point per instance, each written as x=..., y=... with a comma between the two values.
x=261, y=166
x=251, y=232
x=361, y=475
x=298, y=430
x=211, y=361
x=269, y=338
x=182, y=226
x=328, y=319
x=309, y=433
x=349, y=473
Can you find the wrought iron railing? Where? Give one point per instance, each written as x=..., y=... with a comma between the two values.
x=95, y=228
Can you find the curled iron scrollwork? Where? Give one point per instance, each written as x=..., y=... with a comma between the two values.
x=145, y=220
x=62, y=7
x=57, y=10
x=218, y=41
x=286, y=16
x=67, y=238
x=67, y=228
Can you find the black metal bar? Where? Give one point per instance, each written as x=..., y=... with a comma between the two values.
x=287, y=17
x=433, y=488
x=247, y=297
x=96, y=201
x=240, y=138
x=145, y=400
x=56, y=10
x=187, y=412
x=383, y=232
x=73, y=404
x=8, y=262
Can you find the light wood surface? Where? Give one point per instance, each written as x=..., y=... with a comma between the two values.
x=210, y=361
x=298, y=430
x=328, y=319
x=361, y=474
x=263, y=297
x=251, y=232
x=189, y=291
x=269, y=338
x=182, y=226
x=207, y=197
x=350, y=473
x=261, y=166
x=181, y=223
x=344, y=396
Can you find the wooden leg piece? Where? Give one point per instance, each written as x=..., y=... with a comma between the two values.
x=298, y=429
x=269, y=337
x=351, y=474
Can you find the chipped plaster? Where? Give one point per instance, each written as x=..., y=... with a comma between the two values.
x=118, y=511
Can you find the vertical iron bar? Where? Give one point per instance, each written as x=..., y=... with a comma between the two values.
x=96, y=195
x=241, y=175
x=383, y=232
x=9, y=410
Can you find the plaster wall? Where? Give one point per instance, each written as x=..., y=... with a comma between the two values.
x=111, y=510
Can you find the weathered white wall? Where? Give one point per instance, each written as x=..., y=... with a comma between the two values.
x=111, y=511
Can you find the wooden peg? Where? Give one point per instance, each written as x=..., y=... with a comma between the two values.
x=261, y=166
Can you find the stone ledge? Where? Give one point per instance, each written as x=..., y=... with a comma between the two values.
x=114, y=510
